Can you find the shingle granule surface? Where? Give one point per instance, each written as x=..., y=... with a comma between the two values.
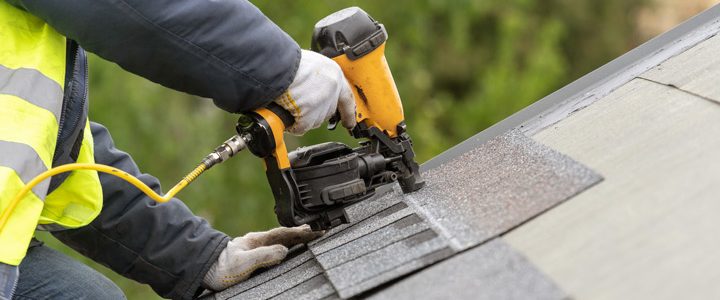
x=491, y=271
x=497, y=186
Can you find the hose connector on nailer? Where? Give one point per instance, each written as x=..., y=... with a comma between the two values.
x=227, y=150
x=223, y=152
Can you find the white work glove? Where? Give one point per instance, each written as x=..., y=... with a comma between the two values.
x=318, y=90
x=245, y=254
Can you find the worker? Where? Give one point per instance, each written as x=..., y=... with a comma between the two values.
x=226, y=50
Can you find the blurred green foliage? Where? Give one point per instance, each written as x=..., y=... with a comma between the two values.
x=460, y=66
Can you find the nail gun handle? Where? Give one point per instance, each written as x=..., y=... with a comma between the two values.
x=356, y=42
x=285, y=116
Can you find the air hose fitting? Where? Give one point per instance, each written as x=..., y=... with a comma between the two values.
x=227, y=150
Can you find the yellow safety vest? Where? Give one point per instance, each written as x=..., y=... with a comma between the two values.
x=32, y=77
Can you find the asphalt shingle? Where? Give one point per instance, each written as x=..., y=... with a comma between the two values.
x=361, y=228
x=377, y=267
x=497, y=186
x=491, y=271
x=317, y=287
x=401, y=229
x=287, y=277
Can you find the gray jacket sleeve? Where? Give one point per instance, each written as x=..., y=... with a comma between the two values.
x=226, y=50
x=163, y=245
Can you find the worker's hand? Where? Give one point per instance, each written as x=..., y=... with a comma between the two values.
x=318, y=90
x=243, y=255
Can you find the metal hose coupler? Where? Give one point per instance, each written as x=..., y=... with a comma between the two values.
x=226, y=150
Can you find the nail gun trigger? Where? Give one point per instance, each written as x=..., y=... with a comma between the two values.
x=334, y=120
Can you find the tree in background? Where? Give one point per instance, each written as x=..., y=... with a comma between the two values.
x=460, y=66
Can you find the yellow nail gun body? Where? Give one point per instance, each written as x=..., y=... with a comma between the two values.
x=313, y=185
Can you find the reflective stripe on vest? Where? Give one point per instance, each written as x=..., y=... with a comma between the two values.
x=32, y=76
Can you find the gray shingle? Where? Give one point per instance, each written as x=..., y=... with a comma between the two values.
x=491, y=271
x=275, y=280
x=317, y=287
x=273, y=287
x=362, y=228
x=401, y=229
x=497, y=186
x=386, y=198
x=378, y=267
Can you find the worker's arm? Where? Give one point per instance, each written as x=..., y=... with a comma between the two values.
x=226, y=50
x=163, y=245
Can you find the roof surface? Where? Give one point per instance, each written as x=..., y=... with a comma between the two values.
x=650, y=229
x=606, y=188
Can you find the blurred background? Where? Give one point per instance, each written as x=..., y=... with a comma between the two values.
x=460, y=66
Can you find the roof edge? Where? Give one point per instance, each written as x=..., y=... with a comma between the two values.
x=596, y=84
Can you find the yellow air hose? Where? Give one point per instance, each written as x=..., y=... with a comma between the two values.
x=221, y=153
